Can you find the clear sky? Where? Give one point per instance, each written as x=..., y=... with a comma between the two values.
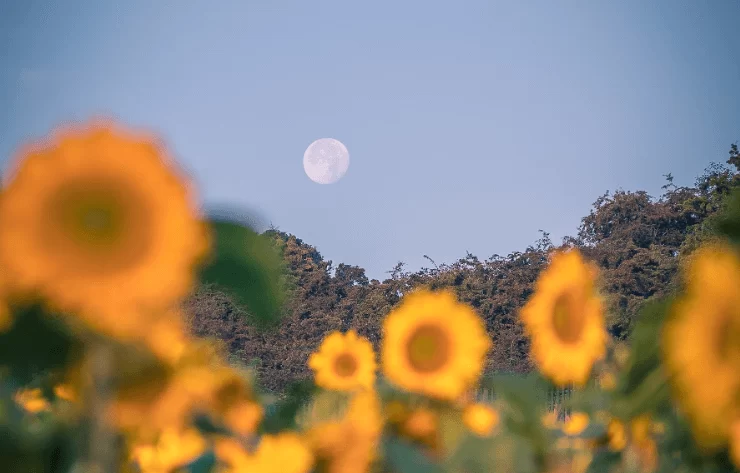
x=470, y=124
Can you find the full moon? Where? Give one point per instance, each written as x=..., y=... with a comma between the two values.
x=326, y=161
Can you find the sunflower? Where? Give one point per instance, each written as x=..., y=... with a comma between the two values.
x=167, y=336
x=66, y=392
x=6, y=317
x=434, y=345
x=6, y=321
x=243, y=417
x=349, y=445
x=173, y=449
x=701, y=344
x=285, y=452
x=99, y=220
x=481, y=419
x=576, y=424
x=217, y=390
x=421, y=424
x=565, y=320
x=344, y=362
x=735, y=442
x=32, y=400
x=232, y=456
x=616, y=434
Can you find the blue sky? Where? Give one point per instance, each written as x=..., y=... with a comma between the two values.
x=470, y=124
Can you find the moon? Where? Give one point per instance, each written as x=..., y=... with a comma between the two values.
x=326, y=161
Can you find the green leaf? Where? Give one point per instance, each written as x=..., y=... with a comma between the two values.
x=208, y=426
x=728, y=224
x=593, y=431
x=203, y=464
x=645, y=356
x=37, y=342
x=405, y=458
x=452, y=428
x=603, y=460
x=525, y=457
x=473, y=455
x=524, y=404
x=281, y=415
x=648, y=396
x=247, y=267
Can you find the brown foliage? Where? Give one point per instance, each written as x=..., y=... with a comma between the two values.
x=636, y=240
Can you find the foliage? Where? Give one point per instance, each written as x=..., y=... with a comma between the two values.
x=129, y=388
x=638, y=243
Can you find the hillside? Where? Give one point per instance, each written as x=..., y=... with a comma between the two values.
x=637, y=240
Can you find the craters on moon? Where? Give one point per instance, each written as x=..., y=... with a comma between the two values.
x=326, y=161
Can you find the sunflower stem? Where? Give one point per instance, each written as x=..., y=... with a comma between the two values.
x=101, y=448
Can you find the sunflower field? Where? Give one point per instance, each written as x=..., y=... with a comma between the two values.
x=102, y=237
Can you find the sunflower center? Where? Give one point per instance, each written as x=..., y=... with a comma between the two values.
x=345, y=365
x=567, y=318
x=428, y=348
x=98, y=226
x=728, y=344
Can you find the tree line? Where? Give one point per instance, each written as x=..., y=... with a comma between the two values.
x=638, y=241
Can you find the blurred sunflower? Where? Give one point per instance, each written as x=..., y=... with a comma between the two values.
x=616, y=434
x=344, y=362
x=735, y=442
x=564, y=320
x=348, y=445
x=6, y=318
x=100, y=220
x=234, y=401
x=65, y=392
x=32, y=400
x=576, y=423
x=231, y=455
x=167, y=336
x=642, y=449
x=6, y=321
x=434, y=345
x=201, y=387
x=421, y=424
x=173, y=449
x=550, y=420
x=701, y=344
x=243, y=417
x=481, y=419
x=285, y=452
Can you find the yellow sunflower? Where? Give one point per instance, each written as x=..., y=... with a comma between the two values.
x=231, y=455
x=616, y=435
x=286, y=452
x=217, y=390
x=421, y=424
x=434, y=345
x=576, y=423
x=481, y=419
x=701, y=344
x=565, y=320
x=174, y=448
x=6, y=321
x=735, y=442
x=349, y=445
x=167, y=336
x=344, y=362
x=32, y=400
x=99, y=220
x=66, y=392
x=6, y=318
